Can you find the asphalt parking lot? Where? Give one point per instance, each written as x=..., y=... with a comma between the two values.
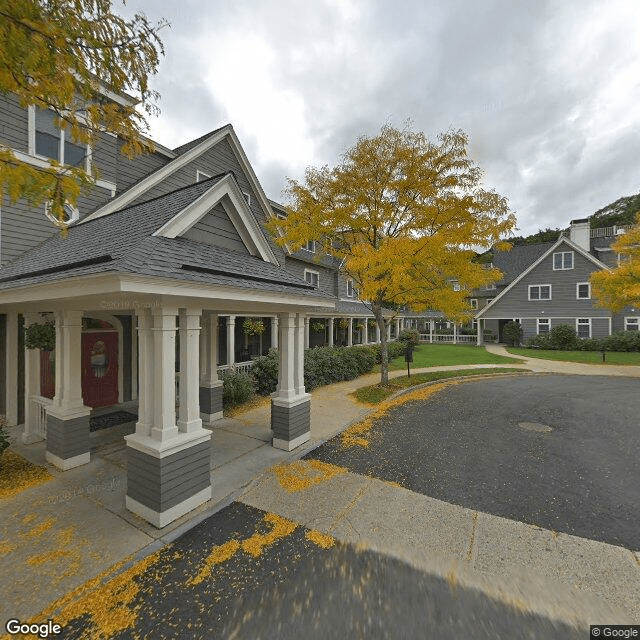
x=559, y=452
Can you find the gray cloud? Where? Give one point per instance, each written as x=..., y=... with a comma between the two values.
x=539, y=87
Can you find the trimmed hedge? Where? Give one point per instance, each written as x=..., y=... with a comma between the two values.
x=564, y=337
x=323, y=365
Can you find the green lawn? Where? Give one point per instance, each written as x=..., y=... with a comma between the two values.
x=376, y=393
x=588, y=357
x=444, y=355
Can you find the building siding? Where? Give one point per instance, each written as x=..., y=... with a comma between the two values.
x=515, y=304
x=327, y=280
x=14, y=125
x=217, y=229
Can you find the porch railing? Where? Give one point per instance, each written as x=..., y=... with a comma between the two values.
x=245, y=367
x=449, y=338
x=42, y=404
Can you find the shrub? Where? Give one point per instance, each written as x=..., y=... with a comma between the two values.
x=265, y=373
x=590, y=344
x=409, y=337
x=541, y=341
x=564, y=337
x=4, y=435
x=622, y=341
x=512, y=332
x=237, y=388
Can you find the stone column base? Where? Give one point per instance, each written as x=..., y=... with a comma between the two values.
x=68, y=439
x=211, y=403
x=167, y=480
x=291, y=422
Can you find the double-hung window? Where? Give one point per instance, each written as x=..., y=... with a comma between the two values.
x=474, y=303
x=583, y=327
x=544, y=325
x=539, y=292
x=583, y=291
x=312, y=277
x=310, y=246
x=632, y=324
x=51, y=141
x=563, y=260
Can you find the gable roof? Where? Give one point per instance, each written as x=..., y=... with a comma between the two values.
x=188, y=152
x=124, y=243
x=512, y=263
x=553, y=246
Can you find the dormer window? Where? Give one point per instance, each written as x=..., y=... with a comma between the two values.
x=53, y=142
x=456, y=286
x=563, y=260
x=350, y=289
x=310, y=246
x=312, y=277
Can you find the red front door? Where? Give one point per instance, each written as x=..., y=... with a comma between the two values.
x=100, y=368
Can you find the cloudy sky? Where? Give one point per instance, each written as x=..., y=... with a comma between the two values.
x=548, y=91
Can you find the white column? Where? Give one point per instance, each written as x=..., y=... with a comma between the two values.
x=480, y=333
x=134, y=359
x=350, y=333
x=274, y=332
x=189, y=418
x=366, y=330
x=68, y=394
x=455, y=333
x=331, y=332
x=11, y=371
x=203, y=348
x=397, y=327
x=431, y=331
x=388, y=330
x=145, y=372
x=210, y=329
x=231, y=340
x=286, y=370
x=31, y=387
x=164, y=381
x=301, y=339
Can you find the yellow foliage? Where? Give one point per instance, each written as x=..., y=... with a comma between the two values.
x=404, y=215
x=302, y=474
x=620, y=287
x=72, y=57
x=18, y=474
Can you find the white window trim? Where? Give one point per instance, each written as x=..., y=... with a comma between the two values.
x=313, y=244
x=247, y=197
x=312, y=271
x=546, y=322
x=456, y=286
x=353, y=290
x=562, y=268
x=74, y=217
x=31, y=120
x=473, y=302
x=578, y=285
x=491, y=287
x=578, y=323
x=201, y=175
x=489, y=301
x=540, y=299
x=636, y=318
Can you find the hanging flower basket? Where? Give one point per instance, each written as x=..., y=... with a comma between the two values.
x=253, y=326
x=317, y=327
x=372, y=323
x=40, y=336
x=343, y=323
x=359, y=326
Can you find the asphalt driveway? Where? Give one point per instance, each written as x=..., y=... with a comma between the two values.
x=559, y=452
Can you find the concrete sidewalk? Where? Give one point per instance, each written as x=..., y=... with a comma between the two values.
x=56, y=536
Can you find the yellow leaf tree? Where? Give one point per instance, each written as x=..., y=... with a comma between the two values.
x=620, y=287
x=404, y=214
x=74, y=57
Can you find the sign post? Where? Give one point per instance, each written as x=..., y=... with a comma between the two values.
x=408, y=356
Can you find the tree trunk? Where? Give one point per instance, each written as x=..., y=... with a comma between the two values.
x=384, y=353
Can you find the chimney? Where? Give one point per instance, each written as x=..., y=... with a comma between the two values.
x=580, y=233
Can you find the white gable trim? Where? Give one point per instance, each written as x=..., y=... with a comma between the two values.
x=226, y=192
x=546, y=254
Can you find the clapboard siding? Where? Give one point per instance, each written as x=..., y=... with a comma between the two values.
x=515, y=303
x=14, y=126
x=327, y=279
x=217, y=229
x=130, y=171
x=219, y=159
x=104, y=157
x=23, y=227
